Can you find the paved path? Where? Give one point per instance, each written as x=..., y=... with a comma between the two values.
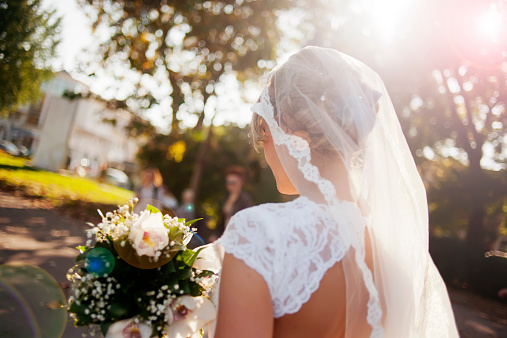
x=478, y=316
x=43, y=238
x=39, y=237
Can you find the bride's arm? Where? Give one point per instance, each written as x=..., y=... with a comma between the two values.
x=245, y=309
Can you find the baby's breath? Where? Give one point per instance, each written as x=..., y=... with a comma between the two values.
x=98, y=299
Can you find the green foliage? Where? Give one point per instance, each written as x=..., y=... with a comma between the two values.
x=28, y=39
x=189, y=223
x=453, y=192
x=177, y=54
x=152, y=209
x=229, y=146
x=55, y=187
x=184, y=45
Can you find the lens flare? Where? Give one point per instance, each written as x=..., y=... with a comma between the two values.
x=490, y=24
x=32, y=303
x=99, y=261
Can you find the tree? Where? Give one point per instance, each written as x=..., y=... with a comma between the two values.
x=28, y=40
x=183, y=50
x=460, y=91
x=447, y=81
x=186, y=46
x=175, y=155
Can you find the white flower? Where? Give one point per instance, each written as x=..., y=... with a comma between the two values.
x=148, y=234
x=188, y=237
x=129, y=328
x=187, y=315
x=208, y=258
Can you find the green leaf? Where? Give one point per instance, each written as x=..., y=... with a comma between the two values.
x=186, y=256
x=184, y=274
x=105, y=244
x=171, y=281
x=170, y=267
x=184, y=286
x=79, y=310
x=104, y=327
x=81, y=248
x=174, y=232
x=119, y=309
x=205, y=273
x=189, y=260
x=152, y=209
x=195, y=289
x=189, y=223
x=81, y=256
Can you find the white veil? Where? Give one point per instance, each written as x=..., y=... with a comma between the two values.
x=338, y=137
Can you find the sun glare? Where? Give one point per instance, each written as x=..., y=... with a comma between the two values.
x=491, y=24
x=386, y=14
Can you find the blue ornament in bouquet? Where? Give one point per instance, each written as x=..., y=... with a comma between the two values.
x=136, y=275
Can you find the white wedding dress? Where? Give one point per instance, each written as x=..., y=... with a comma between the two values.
x=353, y=146
x=292, y=245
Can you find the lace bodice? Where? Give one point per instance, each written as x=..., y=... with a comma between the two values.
x=291, y=245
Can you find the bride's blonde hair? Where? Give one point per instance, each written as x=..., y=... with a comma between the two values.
x=303, y=78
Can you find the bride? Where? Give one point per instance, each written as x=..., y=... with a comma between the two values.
x=348, y=257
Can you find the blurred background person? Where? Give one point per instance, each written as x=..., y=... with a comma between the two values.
x=153, y=192
x=187, y=211
x=235, y=200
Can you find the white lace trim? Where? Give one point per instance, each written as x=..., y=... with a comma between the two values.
x=291, y=245
x=298, y=148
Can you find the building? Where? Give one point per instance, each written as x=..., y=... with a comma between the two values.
x=71, y=134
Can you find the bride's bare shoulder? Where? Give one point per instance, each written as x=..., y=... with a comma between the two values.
x=290, y=255
x=245, y=308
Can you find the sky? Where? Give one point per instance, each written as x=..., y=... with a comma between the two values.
x=76, y=31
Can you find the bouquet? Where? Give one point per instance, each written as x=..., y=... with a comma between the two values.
x=138, y=279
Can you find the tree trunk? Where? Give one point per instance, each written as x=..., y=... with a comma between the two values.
x=476, y=234
x=174, y=121
x=177, y=97
x=200, y=160
x=10, y=126
x=200, y=121
x=195, y=180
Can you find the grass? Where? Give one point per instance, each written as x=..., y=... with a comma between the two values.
x=15, y=173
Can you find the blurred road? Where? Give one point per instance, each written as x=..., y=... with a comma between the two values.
x=478, y=316
x=43, y=238
x=39, y=237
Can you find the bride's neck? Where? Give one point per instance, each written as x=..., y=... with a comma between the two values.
x=335, y=172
